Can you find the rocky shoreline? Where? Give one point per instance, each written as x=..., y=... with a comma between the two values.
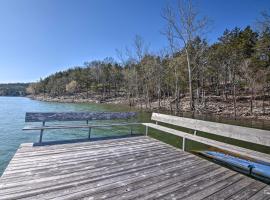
x=79, y=99
x=213, y=105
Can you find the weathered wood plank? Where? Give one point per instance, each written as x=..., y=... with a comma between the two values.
x=252, y=135
x=182, y=178
x=224, y=146
x=248, y=191
x=263, y=194
x=85, y=157
x=81, y=167
x=117, y=169
x=213, y=188
x=83, y=145
x=197, y=183
x=76, y=116
x=86, y=164
x=231, y=189
x=79, y=175
x=82, y=177
x=97, y=150
x=69, y=160
x=108, y=187
x=63, y=182
x=49, y=149
x=156, y=186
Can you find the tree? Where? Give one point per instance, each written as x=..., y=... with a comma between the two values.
x=32, y=89
x=200, y=59
x=261, y=61
x=71, y=87
x=185, y=29
x=263, y=23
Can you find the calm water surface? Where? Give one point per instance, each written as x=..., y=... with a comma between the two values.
x=13, y=109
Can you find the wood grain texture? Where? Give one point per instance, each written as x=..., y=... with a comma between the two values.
x=127, y=168
x=252, y=135
x=76, y=116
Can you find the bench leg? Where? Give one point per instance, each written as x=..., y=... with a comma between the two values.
x=89, y=134
x=40, y=137
x=184, y=144
x=41, y=132
x=146, y=130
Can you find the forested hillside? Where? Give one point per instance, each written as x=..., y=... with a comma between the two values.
x=13, y=89
x=231, y=71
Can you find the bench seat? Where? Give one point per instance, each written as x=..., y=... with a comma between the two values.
x=27, y=128
x=258, y=156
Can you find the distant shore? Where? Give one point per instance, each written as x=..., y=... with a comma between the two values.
x=213, y=105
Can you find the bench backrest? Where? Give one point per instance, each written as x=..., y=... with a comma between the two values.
x=235, y=132
x=76, y=116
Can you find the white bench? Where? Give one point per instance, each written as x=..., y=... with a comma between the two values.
x=257, y=136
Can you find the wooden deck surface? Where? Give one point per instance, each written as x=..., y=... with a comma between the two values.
x=129, y=168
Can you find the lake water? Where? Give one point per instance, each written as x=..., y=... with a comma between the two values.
x=12, y=114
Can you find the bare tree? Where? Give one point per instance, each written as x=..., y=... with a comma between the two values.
x=170, y=37
x=141, y=50
x=264, y=22
x=185, y=26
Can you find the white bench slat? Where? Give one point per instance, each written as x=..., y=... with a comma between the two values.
x=236, y=132
x=220, y=145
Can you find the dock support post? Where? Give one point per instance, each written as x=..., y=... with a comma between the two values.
x=146, y=130
x=183, y=143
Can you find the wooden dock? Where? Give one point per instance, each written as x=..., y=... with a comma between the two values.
x=128, y=168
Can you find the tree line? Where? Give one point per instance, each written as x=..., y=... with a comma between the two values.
x=13, y=89
x=236, y=66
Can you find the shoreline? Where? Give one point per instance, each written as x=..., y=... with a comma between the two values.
x=214, y=106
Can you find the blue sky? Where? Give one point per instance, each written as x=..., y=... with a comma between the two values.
x=40, y=37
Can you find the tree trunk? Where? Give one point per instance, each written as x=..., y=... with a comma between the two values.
x=190, y=81
x=198, y=92
x=251, y=100
x=176, y=90
x=234, y=97
x=263, y=105
x=226, y=82
x=147, y=96
x=159, y=96
x=129, y=100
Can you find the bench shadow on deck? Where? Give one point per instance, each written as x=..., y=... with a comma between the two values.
x=94, y=139
x=128, y=168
